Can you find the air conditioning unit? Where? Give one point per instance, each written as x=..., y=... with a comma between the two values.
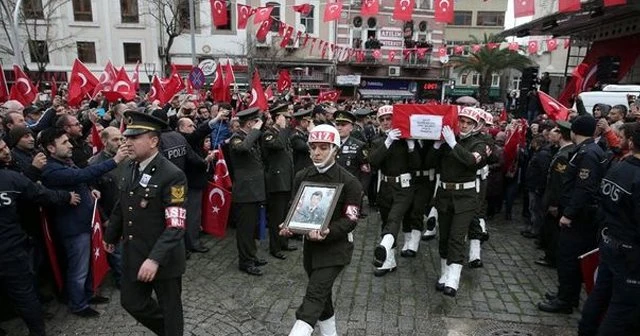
x=293, y=43
x=394, y=71
x=266, y=43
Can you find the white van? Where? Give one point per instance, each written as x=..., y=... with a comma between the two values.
x=610, y=95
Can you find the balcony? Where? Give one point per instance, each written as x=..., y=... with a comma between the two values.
x=414, y=62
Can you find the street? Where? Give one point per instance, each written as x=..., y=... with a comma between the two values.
x=498, y=299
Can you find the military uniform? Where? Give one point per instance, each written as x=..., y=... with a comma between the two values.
x=477, y=226
x=352, y=156
x=278, y=159
x=150, y=218
x=248, y=189
x=298, y=140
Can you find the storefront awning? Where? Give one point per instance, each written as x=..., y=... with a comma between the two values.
x=385, y=94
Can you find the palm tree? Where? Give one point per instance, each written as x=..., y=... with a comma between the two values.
x=488, y=61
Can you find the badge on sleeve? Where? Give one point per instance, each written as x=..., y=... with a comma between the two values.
x=236, y=141
x=268, y=137
x=352, y=212
x=584, y=173
x=177, y=194
x=560, y=168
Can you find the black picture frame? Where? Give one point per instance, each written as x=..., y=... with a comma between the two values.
x=313, y=206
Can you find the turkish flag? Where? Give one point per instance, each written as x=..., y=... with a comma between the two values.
x=566, y=43
x=392, y=55
x=552, y=107
x=552, y=44
x=306, y=39
x=122, y=88
x=421, y=52
x=219, y=12
x=406, y=53
x=96, y=141
x=22, y=89
x=229, y=76
x=156, y=92
x=313, y=44
x=218, y=87
x=284, y=80
x=268, y=93
x=442, y=51
x=503, y=115
x=589, y=263
x=532, y=47
x=262, y=32
x=608, y=3
x=523, y=8
x=288, y=31
x=443, y=11
x=51, y=251
x=369, y=8
x=81, y=83
x=304, y=9
x=403, y=10
x=332, y=11
x=99, y=264
x=440, y=114
x=173, y=84
x=257, y=93
x=515, y=136
x=568, y=5
x=328, y=96
x=244, y=12
x=458, y=49
x=135, y=79
x=476, y=48
x=216, y=202
x=4, y=91
x=262, y=14
x=107, y=79
x=376, y=54
x=514, y=46
x=492, y=45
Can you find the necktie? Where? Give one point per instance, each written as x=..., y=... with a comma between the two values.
x=136, y=173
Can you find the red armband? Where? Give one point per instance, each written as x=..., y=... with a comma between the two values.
x=175, y=217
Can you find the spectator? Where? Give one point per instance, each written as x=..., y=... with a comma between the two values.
x=74, y=131
x=535, y=182
x=616, y=117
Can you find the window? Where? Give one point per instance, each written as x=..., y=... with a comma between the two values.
x=132, y=53
x=492, y=19
x=184, y=17
x=308, y=21
x=495, y=80
x=356, y=39
x=463, y=79
x=32, y=9
x=275, y=14
x=423, y=4
x=515, y=83
x=82, y=10
x=129, y=11
x=462, y=18
x=475, y=79
x=39, y=51
x=86, y=52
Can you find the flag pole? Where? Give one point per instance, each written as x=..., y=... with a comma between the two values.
x=17, y=54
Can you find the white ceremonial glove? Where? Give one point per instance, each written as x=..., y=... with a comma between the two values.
x=449, y=136
x=392, y=135
x=437, y=144
x=411, y=144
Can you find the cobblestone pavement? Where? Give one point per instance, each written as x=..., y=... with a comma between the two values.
x=498, y=299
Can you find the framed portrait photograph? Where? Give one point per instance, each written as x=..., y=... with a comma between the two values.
x=313, y=206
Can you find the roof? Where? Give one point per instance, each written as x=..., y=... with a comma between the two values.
x=591, y=15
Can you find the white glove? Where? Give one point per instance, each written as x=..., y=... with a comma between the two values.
x=449, y=136
x=392, y=135
x=437, y=144
x=411, y=144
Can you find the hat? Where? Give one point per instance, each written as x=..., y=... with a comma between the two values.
x=363, y=112
x=319, y=109
x=584, y=125
x=280, y=109
x=324, y=133
x=248, y=114
x=302, y=114
x=33, y=109
x=344, y=116
x=564, y=125
x=384, y=110
x=140, y=123
x=16, y=133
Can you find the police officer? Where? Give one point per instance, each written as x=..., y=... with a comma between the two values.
x=561, y=137
x=326, y=252
x=352, y=154
x=248, y=187
x=457, y=196
x=299, y=137
x=616, y=295
x=16, y=275
x=150, y=216
x=578, y=229
x=278, y=159
x=396, y=159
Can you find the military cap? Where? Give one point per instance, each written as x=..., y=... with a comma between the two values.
x=302, y=114
x=564, y=125
x=344, y=116
x=319, y=109
x=280, y=109
x=363, y=112
x=248, y=114
x=140, y=123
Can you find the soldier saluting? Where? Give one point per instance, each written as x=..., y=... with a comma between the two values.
x=150, y=219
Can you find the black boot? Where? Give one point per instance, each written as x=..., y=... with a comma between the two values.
x=555, y=306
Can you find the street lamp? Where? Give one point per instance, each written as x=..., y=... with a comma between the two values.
x=150, y=70
x=298, y=71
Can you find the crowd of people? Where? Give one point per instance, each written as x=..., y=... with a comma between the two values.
x=150, y=164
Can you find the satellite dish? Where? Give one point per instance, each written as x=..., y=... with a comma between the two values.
x=444, y=59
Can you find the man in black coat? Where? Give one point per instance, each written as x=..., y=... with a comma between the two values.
x=299, y=136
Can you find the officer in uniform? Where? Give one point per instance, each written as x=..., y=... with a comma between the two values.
x=248, y=187
x=326, y=252
x=616, y=295
x=278, y=160
x=578, y=228
x=561, y=137
x=150, y=217
x=321, y=116
x=299, y=137
x=358, y=126
x=478, y=226
x=352, y=154
x=457, y=197
x=395, y=159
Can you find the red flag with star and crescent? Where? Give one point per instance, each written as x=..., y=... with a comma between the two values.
x=258, y=98
x=99, y=264
x=23, y=89
x=369, y=8
x=523, y=8
x=284, y=80
x=328, y=96
x=332, y=11
x=219, y=12
x=51, y=251
x=216, y=200
x=244, y=12
x=443, y=11
x=403, y=10
x=4, y=90
x=553, y=108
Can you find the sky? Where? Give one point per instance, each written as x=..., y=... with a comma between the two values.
x=510, y=21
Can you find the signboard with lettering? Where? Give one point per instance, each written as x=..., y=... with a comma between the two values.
x=381, y=84
x=353, y=80
x=429, y=89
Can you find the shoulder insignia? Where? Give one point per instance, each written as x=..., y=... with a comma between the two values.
x=584, y=173
x=560, y=168
x=365, y=153
x=177, y=194
x=236, y=141
x=268, y=137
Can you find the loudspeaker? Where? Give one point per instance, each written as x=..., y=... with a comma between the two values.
x=529, y=78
